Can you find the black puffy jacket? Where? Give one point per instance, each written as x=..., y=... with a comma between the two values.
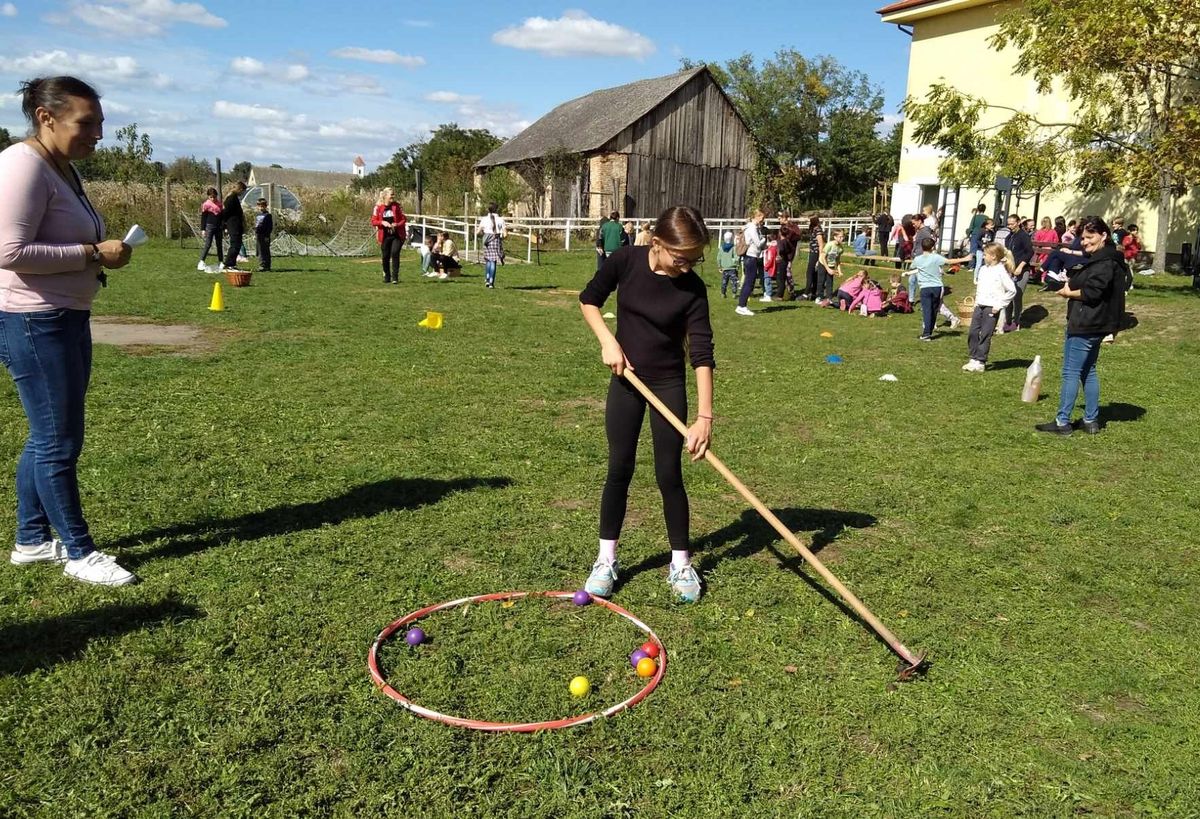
x=1102, y=281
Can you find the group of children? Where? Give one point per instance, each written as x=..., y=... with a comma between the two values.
x=439, y=256
x=216, y=217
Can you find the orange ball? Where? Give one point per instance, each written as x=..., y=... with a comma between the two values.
x=651, y=649
x=646, y=667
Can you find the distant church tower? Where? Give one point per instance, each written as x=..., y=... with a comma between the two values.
x=360, y=167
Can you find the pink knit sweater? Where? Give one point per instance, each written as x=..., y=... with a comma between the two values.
x=44, y=232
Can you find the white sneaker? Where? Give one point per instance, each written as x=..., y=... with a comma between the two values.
x=1108, y=339
x=685, y=583
x=765, y=298
x=200, y=265
x=242, y=259
x=600, y=581
x=743, y=311
x=954, y=322
x=970, y=365
x=99, y=569
x=977, y=366
x=443, y=275
x=51, y=551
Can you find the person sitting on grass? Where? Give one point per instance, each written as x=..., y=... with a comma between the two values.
x=862, y=243
x=849, y=289
x=662, y=323
x=871, y=297
x=425, y=251
x=898, y=300
x=993, y=292
x=927, y=280
x=445, y=257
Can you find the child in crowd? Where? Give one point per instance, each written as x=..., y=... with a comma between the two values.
x=927, y=280
x=830, y=267
x=264, y=225
x=994, y=291
x=727, y=261
x=862, y=243
x=1131, y=245
x=898, y=301
x=871, y=298
x=445, y=258
x=850, y=289
x=425, y=251
x=770, y=263
x=210, y=226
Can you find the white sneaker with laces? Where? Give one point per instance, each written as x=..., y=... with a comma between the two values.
x=51, y=551
x=743, y=311
x=200, y=265
x=600, y=582
x=954, y=322
x=766, y=298
x=99, y=569
x=977, y=366
x=685, y=583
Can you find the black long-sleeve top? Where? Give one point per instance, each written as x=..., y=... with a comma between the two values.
x=656, y=314
x=232, y=215
x=1021, y=245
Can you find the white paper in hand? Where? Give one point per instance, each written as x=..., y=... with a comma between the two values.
x=136, y=237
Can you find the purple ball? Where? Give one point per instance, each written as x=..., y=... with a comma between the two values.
x=414, y=637
x=636, y=656
x=581, y=598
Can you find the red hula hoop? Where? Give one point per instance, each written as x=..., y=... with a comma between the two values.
x=519, y=727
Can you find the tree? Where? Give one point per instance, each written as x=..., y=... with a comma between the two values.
x=241, y=171
x=5, y=139
x=503, y=186
x=814, y=124
x=189, y=170
x=447, y=160
x=541, y=172
x=127, y=161
x=1132, y=79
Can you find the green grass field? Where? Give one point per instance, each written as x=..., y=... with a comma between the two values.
x=322, y=466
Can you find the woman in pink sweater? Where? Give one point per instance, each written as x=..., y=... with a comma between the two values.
x=52, y=255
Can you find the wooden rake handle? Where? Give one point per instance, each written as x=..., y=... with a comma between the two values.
x=913, y=660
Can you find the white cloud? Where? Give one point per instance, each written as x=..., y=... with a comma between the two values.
x=8, y=10
x=224, y=109
x=576, y=33
x=500, y=121
x=122, y=70
x=378, y=55
x=340, y=84
x=295, y=72
x=451, y=96
x=144, y=18
x=248, y=66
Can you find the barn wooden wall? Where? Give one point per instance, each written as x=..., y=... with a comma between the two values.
x=691, y=149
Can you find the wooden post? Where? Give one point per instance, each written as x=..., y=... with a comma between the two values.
x=568, y=235
x=167, y=208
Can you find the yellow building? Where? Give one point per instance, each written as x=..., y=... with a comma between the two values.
x=949, y=44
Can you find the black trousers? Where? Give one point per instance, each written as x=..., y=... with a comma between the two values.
x=391, y=256
x=212, y=234
x=810, y=276
x=235, y=245
x=623, y=414
x=264, y=250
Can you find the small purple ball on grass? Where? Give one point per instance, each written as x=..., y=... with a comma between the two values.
x=636, y=656
x=414, y=637
x=581, y=598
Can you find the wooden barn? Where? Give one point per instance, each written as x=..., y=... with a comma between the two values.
x=637, y=149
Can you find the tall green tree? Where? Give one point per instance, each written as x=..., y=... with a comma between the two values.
x=127, y=161
x=1133, y=79
x=189, y=170
x=815, y=124
x=241, y=171
x=446, y=161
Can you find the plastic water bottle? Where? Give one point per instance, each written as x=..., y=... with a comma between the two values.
x=1033, y=381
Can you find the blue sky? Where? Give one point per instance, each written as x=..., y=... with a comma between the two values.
x=311, y=84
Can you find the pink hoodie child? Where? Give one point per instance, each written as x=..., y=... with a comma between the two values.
x=872, y=297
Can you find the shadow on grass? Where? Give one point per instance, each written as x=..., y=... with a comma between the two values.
x=1033, y=315
x=1121, y=413
x=363, y=501
x=1010, y=364
x=775, y=308
x=535, y=287
x=38, y=644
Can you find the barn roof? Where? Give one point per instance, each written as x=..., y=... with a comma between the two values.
x=587, y=123
x=295, y=177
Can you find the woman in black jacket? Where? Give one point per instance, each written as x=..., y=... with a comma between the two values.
x=1096, y=305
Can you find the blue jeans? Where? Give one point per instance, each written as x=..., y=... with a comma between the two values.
x=1079, y=365
x=49, y=355
x=489, y=272
x=931, y=301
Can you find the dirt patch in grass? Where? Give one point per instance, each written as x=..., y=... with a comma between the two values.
x=569, y=504
x=135, y=335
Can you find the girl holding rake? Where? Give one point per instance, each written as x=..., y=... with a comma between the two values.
x=662, y=312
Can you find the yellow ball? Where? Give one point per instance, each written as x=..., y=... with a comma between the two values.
x=646, y=667
x=580, y=687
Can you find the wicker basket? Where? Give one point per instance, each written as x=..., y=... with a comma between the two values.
x=240, y=278
x=966, y=308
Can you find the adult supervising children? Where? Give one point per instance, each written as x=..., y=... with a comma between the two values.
x=662, y=313
x=752, y=268
x=391, y=229
x=52, y=255
x=233, y=218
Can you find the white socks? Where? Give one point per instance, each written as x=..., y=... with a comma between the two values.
x=608, y=551
x=680, y=558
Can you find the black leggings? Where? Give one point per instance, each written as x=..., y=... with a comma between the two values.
x=391, y=256
x=623, y=414
x=811, y=278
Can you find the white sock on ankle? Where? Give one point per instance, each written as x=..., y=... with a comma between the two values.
x=680, y=558
x=608, y=551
